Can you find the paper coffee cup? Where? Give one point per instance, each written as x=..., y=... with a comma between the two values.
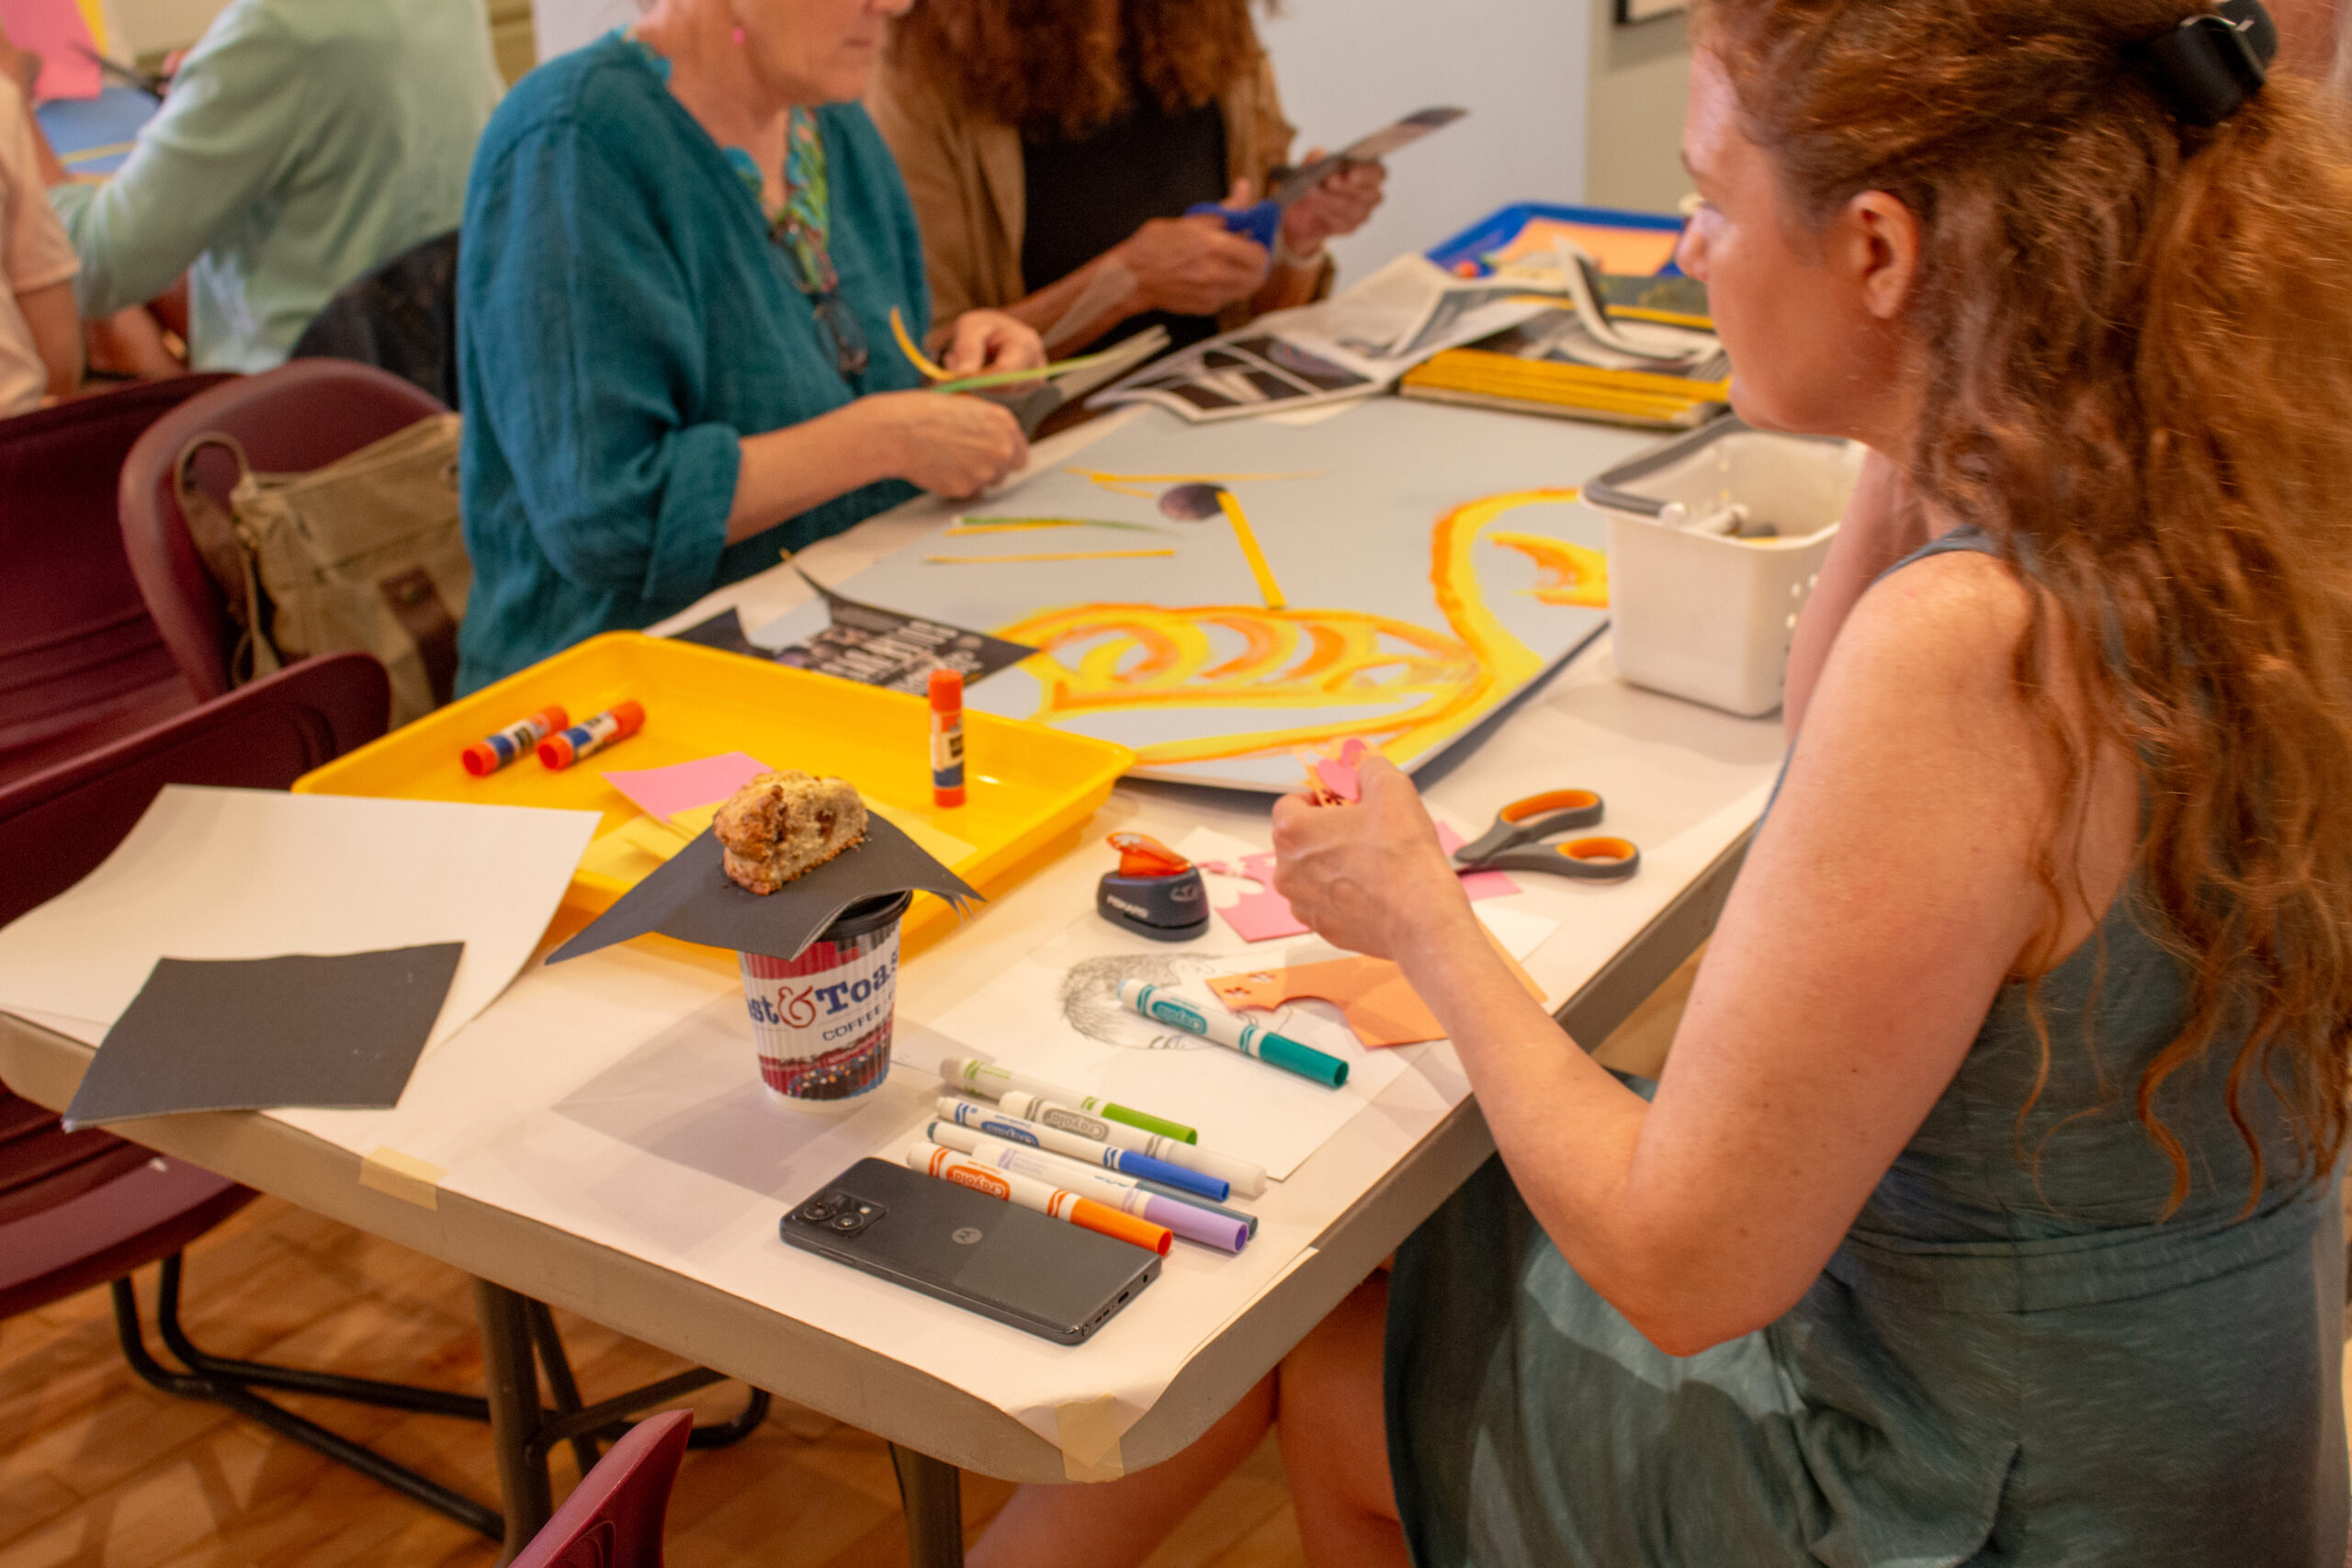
x=822, y=1021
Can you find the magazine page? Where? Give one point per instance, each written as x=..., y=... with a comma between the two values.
x=1357, y=342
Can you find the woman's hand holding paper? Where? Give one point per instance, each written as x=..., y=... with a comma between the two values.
x=1338, y=206
x=982, y=342
x=1370, y=877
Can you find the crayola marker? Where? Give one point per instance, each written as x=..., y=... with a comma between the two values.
x=1101, y=1186
x=1043, y=1196
x=963, y=1114
x=987, y=1080
x=1248, y=1179
x=1223, y=1029
x=946, y=738
x=948, y=1133
x=590, y=736
x=517, y=740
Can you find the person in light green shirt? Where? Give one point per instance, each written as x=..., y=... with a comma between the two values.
x=303, y=143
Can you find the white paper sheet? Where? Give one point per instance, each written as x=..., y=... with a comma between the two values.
x=1056, y=1015
x=256, y=874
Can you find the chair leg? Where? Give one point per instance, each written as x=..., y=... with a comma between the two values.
x=566, y=1391
x=300, y=1380
x=724, y=1434
x=232, y=1394
x=560, y=1383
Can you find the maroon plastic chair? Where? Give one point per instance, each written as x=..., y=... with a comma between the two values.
x=86, y=1208
x=80, y=661
x=613, y=1519
x=302, y=415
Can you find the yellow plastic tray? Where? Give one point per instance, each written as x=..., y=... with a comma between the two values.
x=1029, y=789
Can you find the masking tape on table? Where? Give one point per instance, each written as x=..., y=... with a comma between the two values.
x=405, y=1177
x=1089, y=1430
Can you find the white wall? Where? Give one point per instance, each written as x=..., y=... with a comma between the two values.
x=155, y=27
x=563, y=25
x=1519, y=66
x=1633, y=152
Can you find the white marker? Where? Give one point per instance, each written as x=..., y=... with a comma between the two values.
x=970, y=1139
x=1248, y=1179
x=1014, y=1130
x=1193, y=1224
x=987, y=1080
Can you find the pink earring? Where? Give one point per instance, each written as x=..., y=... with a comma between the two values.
x=739, y=35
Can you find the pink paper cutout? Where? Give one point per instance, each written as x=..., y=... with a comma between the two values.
x=1265, y=914
x=680, y=786
x=55, y=30
x=1338, y=774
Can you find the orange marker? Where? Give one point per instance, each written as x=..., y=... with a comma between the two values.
x=1043, y=1196
x=491, y=752
x=590, y=736
x=946, y=738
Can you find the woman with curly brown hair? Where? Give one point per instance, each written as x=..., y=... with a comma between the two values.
x=1985, y=1209
x=1052, y=146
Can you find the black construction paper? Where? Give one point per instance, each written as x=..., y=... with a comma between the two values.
x=691, y=898
x=340, y=1030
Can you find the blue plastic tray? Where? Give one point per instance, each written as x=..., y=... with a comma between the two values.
x=1497, y=230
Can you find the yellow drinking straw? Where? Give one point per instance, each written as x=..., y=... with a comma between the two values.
x=915, y=356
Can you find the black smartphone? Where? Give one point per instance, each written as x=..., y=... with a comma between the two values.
x=987, y=1256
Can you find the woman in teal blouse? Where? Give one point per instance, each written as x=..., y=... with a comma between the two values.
x=682, y=247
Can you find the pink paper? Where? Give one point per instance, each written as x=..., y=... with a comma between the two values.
x=55, y=30
x=680, y=786
x=1338, y=774
x=1264, y=915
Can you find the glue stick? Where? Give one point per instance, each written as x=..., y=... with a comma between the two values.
x=590, y=736
x=491, y=752
x=946, y=738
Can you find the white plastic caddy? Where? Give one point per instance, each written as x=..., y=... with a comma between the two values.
x=1696, y=610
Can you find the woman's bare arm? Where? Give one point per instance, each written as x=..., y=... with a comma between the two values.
x=1881, y=908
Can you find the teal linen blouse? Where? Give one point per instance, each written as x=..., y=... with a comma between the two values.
x=623, y=319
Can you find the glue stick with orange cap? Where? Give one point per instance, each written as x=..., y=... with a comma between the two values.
x=491, y=752
x=946, y=738
x=590, y=736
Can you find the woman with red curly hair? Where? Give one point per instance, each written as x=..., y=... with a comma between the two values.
x=1052, y=146
x=1985, y=1210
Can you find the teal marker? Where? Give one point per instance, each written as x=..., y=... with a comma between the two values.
x=1223, y=1029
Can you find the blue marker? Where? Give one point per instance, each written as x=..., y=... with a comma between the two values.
x=1223, y=1029
x=1126, y=1162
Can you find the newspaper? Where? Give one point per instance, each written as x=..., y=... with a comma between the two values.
x=1357, y=342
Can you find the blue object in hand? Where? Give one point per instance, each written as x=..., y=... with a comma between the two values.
x=1256, y=222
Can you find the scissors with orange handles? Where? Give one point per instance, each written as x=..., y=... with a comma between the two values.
x=1518, y=840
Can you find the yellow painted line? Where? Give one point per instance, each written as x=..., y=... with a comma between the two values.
x=1061, y=555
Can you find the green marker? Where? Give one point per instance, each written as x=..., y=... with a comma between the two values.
x=967, y=1075
x=1223, y=1029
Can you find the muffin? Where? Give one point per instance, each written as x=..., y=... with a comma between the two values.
x=786, y=824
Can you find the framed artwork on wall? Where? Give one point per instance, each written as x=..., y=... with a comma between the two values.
x=1648, y=10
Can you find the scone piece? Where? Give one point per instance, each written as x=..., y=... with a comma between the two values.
x=784, y=824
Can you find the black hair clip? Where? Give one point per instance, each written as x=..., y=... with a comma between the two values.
x=2212, y=62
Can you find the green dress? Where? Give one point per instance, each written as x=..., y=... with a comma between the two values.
x=2006, y=1363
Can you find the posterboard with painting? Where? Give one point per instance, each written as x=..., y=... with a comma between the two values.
x=1397, y=574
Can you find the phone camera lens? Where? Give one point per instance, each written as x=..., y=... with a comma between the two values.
x=848, y=1224
x=820, y=1208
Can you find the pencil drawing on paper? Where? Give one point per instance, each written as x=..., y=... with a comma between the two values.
x=1091, y=1005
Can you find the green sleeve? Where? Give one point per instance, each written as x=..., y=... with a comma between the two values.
x=232, y=125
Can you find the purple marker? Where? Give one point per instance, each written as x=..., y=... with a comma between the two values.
x=1014, y=1130
x=1111, y=1191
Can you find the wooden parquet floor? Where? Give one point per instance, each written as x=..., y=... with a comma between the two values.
x=97, y=1469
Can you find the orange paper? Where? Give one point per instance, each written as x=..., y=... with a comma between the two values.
x=1372, y=994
